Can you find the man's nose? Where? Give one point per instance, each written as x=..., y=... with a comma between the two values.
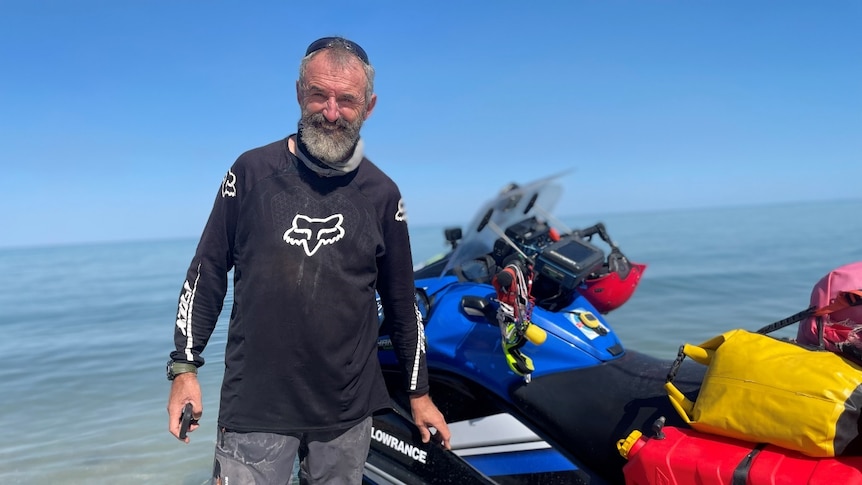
x=330, y=111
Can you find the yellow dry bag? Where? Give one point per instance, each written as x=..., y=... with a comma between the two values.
x=765, y=390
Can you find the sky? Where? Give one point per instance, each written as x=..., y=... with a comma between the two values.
x=118, y=119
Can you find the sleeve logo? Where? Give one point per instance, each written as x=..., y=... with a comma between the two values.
x=228, y=185
x=401, y=213
x=312, y=233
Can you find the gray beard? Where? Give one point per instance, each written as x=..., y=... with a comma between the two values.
x=329, y=142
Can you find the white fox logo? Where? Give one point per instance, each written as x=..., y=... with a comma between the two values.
x=312, y=233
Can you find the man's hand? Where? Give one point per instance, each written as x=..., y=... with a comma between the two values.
x=184, y=389
x=426, y=416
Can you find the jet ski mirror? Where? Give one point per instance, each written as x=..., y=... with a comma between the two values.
x=477, y=306
x=453, y=235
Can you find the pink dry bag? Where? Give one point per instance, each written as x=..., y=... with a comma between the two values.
x=832, y=300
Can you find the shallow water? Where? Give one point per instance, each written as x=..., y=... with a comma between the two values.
x=87, y=329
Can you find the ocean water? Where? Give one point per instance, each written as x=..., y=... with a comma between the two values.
x=86, y=329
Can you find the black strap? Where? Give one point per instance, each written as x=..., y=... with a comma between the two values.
x=740, y=474
x=798, y=317
x=845, y=299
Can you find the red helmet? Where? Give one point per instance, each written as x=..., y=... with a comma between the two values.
x=614, y=285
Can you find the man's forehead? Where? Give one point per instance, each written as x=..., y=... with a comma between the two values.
x=328, y=61
x=322, y=73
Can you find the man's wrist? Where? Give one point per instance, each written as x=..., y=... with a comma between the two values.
x=175, y=369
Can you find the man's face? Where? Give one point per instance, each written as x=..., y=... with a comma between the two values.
x=333, y=104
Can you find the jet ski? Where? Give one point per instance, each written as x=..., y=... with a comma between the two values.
x=534, y=382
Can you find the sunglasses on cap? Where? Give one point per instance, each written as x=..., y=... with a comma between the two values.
x=328, y=42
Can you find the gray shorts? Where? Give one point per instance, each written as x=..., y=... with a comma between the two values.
x=335, y=458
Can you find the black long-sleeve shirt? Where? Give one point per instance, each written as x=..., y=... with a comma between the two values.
x=308, y=253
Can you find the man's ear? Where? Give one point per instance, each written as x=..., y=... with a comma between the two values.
x=298, y=95
x=371, y=105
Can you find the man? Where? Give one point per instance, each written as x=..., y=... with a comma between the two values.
x=311, y=229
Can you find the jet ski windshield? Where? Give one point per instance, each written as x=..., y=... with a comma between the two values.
x=514, y=204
